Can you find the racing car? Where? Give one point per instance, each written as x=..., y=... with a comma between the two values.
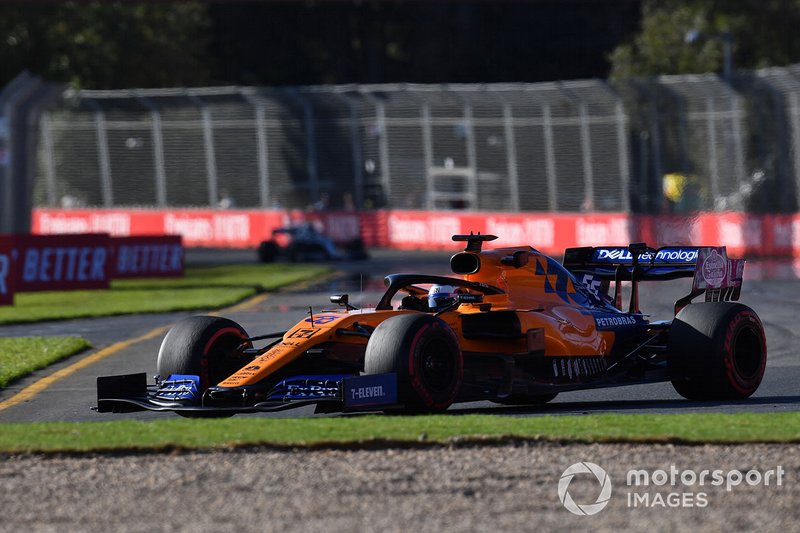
x=512, y=325
x=303, y=242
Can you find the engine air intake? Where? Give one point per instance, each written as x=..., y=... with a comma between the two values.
x=465, y=263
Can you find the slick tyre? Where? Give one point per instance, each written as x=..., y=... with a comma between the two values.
x=204, y=346
x=716, y=351
x=423, y=351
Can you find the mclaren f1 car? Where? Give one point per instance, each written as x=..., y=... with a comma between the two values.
x=512, y=325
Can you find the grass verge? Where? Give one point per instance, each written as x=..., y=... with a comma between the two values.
x=201, y=288
x=19, y=356
x=176, y=433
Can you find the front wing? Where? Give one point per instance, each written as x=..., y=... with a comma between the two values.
x=179, y=393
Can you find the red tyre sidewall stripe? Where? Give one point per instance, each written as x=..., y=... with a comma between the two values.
x=733, y=377
x=414, y=377
x=204, y=366
x=414, y=352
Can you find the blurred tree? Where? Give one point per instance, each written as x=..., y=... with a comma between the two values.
x=104, y=45
x=123, y=44
x=762, y=33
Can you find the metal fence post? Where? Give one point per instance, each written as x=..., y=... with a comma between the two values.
x=472, y=158
x=624, y=163
x=358, y=158
x=158, y=150
x=511, y=156
x=261, y=147
x=158, y=158
x=655, y=136
x=263, y=156
x=549, y=158
x=49, y=159
x=102, y=154
x=713, y=168
x=737, y=115
x=586, y=150
x=211, y=159
x=208, y=146
x=427, y=148
x=311, y=151
x=383, y=151
x=794, y=109
x=683, y=132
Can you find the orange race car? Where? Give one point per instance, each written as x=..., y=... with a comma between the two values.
x=513, y=326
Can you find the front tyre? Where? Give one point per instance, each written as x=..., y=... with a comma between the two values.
x=423, y=351
x=205, y=346
x=716, y=351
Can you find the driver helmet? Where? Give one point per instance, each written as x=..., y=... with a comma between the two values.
x=442, y=296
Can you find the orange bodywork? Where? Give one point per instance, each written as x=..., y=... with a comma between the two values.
x=540, y=291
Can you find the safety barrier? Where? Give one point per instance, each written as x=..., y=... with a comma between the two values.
x=748, y=235
x=83, y=260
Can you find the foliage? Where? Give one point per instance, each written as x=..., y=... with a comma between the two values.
x=761, y=33
x=116, y=44
x=106, y=45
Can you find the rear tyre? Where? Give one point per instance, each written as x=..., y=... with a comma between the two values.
x=423, y=351
x=716, y=351
x=205, y=346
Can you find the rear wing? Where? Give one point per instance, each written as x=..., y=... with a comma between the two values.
x=713, y=272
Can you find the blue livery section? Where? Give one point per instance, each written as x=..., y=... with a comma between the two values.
x=179, y=388
x=557, y=280
x=370, y=391
x=607, y=262
x=312, y=387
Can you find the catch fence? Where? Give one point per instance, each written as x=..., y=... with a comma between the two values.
x=579, y=146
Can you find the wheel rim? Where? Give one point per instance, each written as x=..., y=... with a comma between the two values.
x=222, y=354
x=436, y=366
x=747, y=353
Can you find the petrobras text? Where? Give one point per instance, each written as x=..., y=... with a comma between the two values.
x=610, y=321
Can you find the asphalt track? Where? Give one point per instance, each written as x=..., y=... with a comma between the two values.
x=128, y=344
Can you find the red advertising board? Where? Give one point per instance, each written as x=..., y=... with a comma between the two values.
x=62, y=262
x=198, y=227
x=749, y=235
x=151, y=256
x=6, y=270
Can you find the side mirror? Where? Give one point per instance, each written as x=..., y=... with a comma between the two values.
x=342, y=300
x=518, y=260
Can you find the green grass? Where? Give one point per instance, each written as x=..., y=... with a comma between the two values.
x=177, y=433
x=201, y=288
x=19, y=356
